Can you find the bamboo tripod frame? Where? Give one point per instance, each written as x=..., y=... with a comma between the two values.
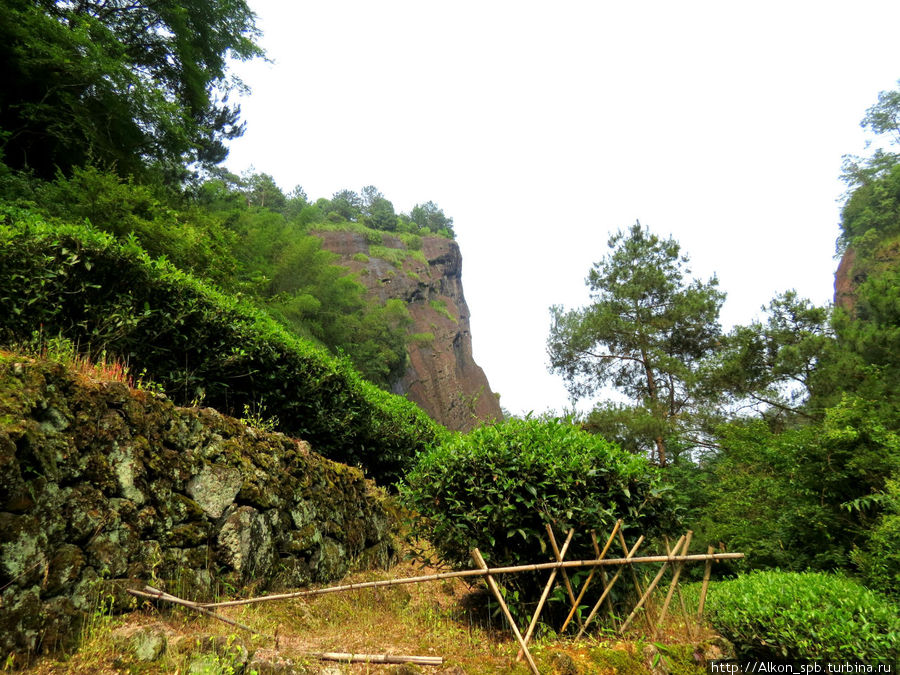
x=675, y=558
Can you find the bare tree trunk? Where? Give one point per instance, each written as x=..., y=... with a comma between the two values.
x=653, y=392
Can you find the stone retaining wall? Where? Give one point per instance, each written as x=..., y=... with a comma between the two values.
x=103, y=487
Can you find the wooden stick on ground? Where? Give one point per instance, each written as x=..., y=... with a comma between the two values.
x=376, y=658
x=476, y=555
x=674, y=584
x=156, y=594
x=650, y=588
x=600, y=556
x=547, y=589
x=565, y=575
x=606, y=590
x=703, y=589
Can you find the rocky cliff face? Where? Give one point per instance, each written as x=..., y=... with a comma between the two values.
x=103, y=487
x=859, y=264
x=426, y=273
x=845, y=283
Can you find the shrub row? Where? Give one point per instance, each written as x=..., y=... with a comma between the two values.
x=794, y=616
x=199, y=344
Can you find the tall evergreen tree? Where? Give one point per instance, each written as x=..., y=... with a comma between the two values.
x=645, y=333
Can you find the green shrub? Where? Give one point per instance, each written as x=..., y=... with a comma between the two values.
x=198, y=343
x=395, y=256
x=879, y=560
x=422, y=339
x=440, y=307
x=413, y=241
x=804, y=615
x=497, y=486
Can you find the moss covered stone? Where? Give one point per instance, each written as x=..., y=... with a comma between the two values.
x=102, y=486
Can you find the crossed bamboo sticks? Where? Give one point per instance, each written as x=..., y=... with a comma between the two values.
x=676, y=557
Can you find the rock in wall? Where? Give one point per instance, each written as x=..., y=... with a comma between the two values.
x=441, y=376
x=103, y=487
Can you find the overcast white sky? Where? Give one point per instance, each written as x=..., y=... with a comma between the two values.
x=543, y=127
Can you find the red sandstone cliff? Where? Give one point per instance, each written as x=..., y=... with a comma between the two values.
x=858, y=265
x=441, y=375
x=844, y=282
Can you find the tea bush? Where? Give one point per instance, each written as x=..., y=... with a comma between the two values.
x=200, y=344
x=804, y=615
x=497, y=486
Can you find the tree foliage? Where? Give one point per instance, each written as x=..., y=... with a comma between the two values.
x=782, y=496
x=123, y=84
x=771, y=367
x=431, y=217
x=496, y=487
x=645, y=333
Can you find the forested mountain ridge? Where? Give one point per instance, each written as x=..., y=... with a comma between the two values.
x=247, y=237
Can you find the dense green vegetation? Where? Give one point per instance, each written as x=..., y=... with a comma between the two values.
x=782, y=437
x=140, y=86
x=201, y=345
x=497, y=486
x=790, y=616
x=247, y=237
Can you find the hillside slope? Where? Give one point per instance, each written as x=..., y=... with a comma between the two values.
x=199, y=344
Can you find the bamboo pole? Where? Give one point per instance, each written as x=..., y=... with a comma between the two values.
x=156, y=594
x=606, y=590
x=673, y=585
x=705, y=586
x=650, y=588
x=604, y=580
x=565, y=575
x=568, y=564
x=637, y=583
x=376, y=658
x=688, y=626
x=688, y=622
x=600, y=556
x=476, y=555
x=547, y=589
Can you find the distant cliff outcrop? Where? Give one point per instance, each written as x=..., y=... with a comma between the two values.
x=874, y=258
x=425, y=273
